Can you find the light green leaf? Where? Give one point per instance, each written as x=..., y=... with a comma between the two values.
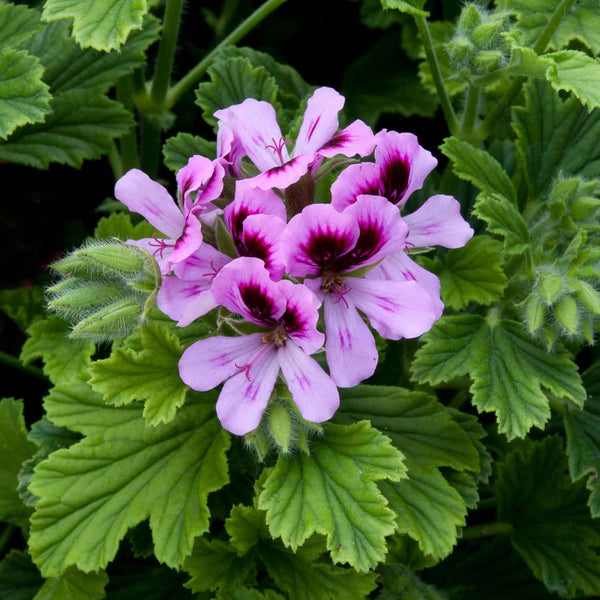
x=93, y=492
x=508, y=369
x=101, y=24
x=24, y=97
x=552, y=528
x=119, y=225
x=472, y=273
x=232, y=81
x=14, y=450
x=19, y=577
x=82, y=126
x=427, y=507
x=151, y=375
x=411, y=7
x=74, y=585
x=246, y=527
x=576, y=72
x=555, y=135
x=503, y=218
x=177, y=150
x=583, y=437
x=67, y=66
x=23, y=306
x=64, y=359
x=332, y=492
x=479, y=167
x=17, y=24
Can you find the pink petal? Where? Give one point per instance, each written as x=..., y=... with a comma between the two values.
x=395, y=309
x=315, y=238
x=382, y=231
x=301, y=316
x=245, y=287
x=313, y=391
x=320, y=120
x=185, y=301
x=203, y=264
x=244, y=397
x=283, y=175
x=192, y=177
x=355, y=181
x=399, y=267
x=160, y=248
x=404, y=164
x=254, y=124
x=357, y=138
x=151, y=200
x=189, y=241
x=229, y=151
x=438, y=223
x=209, y=362
x=349, y=345
x=260, y=238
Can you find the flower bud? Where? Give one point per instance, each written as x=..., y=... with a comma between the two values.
x=550, y=286
x=84, y=297
x=535, y=313
x=567, y=314
x=279, y=421
x=489, y=60
x=113, y=321
x=460, y=49
x=470, y=18
x=487, y=34
x=587, y=295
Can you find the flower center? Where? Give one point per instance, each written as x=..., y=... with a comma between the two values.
x=332, y=283
x=278, y=337
x=278, y=147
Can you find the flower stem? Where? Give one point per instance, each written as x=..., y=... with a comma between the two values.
x=470, y=112
x=546, y=35
x=15, y=363
x=128, y=143
x=486, y=529
x=183, y=85
x=438, y=80
x=166, y=51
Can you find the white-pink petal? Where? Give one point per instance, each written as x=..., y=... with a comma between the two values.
x=354, y=181
x=283, y=175
x=357, y=138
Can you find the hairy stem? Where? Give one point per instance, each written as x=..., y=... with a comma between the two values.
x=15, y=363
x=182, y=86
x=128, y=143
x=546, y=35
x=470, y=112
x=438, y=80
x=486, y=529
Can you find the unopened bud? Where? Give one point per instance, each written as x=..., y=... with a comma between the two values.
x=487, y=34
x=584, y=207
x=535, y=312
x=550, y=287
x=111, y=322
x=588, y=296
x=85, y=297
x=460, y=49
x=489, y=60
x=470, y=17
x=567, y=314
x=279, y=422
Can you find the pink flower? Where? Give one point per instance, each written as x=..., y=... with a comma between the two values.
x=249, y=365
x=330, y=247
x=199, y=182
x=251, y=129
x=256, y=220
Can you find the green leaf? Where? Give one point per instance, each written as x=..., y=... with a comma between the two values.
x=23, y=306
x=576, y=72
x=82, y=126
x=232, y=81
x=19, y=577
x=552, y=528
x=508, y=369
x=151, y=375
x=472, y=273
x=246, y=527
x=24, y=97
x=67, y=66
x=101, y=24
x=399, y=581
x=64, y=359
x=503, y=218
x=93, y=492
x=17, y=25
x=555, y=135
x=479, y=167
x=427, y=507
x=375, y=84
x=411, y=7
x=14, y=450
x=583, y=437
x=74, y=585
x=119, y=225
x=332, y=491
x=178, y=149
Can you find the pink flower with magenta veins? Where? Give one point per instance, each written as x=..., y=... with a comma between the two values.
x=250, y=364
x=251, y=129
x=199, y=182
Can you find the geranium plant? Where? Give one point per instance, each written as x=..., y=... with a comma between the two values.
x=309, y=355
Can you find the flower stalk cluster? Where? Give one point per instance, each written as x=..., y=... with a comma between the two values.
x=285, y=264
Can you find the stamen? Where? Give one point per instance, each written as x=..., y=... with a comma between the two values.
x=335, y=285
x=278, y=147
x=408, y=245
x=160, y=244
x=211, y=275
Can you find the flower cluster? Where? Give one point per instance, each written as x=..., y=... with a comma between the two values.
x=273, y=256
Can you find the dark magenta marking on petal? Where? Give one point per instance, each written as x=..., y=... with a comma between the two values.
x=313, y=127
x=237, y=226
x=369, y=242
x=255, y=246
x=292, y=320
x=258, y=301
x=337, y=140
x=395, y=172
x=325, y=248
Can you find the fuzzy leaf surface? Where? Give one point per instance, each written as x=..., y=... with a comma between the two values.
x=333, y=492
x=552, y=527
x=74, y=585
x=24, y=97
x=17, y=24
x=411, y=7
x=472, y=273
x=576, y=72
x=82, y=125
x=508, y=369
x=151, y=375
x=101, y=24
x=427, y=506
x=91, y=493
x=178, y=149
